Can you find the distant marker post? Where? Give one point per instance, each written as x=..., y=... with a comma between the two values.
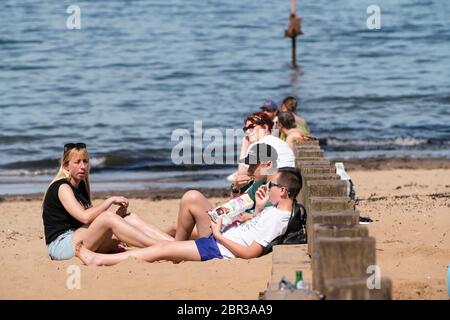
x=294, y=29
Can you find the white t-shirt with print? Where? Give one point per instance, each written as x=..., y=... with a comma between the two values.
x=286, y=157
x=263, y=228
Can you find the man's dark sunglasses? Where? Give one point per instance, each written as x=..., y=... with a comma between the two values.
x=78, y=146
x=273, y=184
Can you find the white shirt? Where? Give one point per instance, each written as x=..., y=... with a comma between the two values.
x=263, y=228
x=286, y=156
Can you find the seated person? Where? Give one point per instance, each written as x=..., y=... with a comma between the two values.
x=245, y=240
x=270, y=109
x=289, y=104
x=69, y=216
x=286, y=125
x=258, y=128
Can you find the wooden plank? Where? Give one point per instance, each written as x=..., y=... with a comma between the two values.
x=344, y=226
x=335, y=258
x=329, y=204
x=307, y=146
x=321, y=176
x=306, y=143
x=340, y=230
x=312, y=177
x=309, y=168
x=309, y=153
x=326, y=188
x=345, y=217
x=323, y=204
x=322, y=162
x=309, y=158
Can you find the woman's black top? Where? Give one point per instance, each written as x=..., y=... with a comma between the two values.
x=56, y=218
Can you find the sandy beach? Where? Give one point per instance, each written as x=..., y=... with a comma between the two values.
x=410, y=209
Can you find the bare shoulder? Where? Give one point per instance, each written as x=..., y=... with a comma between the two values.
x=293, y=135
x=65, y=190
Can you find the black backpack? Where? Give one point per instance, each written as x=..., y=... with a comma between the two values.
x=295, y=231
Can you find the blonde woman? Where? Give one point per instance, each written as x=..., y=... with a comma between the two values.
x=69, y=216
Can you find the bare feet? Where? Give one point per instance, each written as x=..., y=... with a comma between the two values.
x=85, y=255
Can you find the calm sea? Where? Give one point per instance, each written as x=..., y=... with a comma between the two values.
x=138, y=70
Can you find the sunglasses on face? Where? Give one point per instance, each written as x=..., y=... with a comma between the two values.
x=78, y=146
x=249, y=127
x=273, y=184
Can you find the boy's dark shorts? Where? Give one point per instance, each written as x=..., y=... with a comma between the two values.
x=208, y=249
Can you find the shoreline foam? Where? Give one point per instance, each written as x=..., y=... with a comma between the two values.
x=156, y=193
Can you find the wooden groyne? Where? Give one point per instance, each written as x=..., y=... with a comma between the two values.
x=339, y=259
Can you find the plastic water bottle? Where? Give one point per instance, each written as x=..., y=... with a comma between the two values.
x=285, y=284
x=299, y=283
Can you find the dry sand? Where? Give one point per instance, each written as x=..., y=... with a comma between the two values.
x=411, y=213
x=410, y=209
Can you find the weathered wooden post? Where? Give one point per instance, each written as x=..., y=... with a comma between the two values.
x=294, y=29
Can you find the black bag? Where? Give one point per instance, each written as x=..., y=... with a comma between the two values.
x=295, y=231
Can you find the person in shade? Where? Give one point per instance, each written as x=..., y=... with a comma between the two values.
x=246, y=240
x=69, y=216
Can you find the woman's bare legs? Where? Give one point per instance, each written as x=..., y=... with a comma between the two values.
x=109, y=243
x=147, y=228
x=163, y=250
x=193, y=211
x=96, y=233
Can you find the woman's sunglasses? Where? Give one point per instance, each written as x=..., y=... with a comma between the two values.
x=70, y=146
x=250, y=126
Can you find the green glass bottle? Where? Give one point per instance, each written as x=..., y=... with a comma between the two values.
x=299, y=284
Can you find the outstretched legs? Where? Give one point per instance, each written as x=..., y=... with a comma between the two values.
x=149, y=229
x=99, y=231
x=163, y=250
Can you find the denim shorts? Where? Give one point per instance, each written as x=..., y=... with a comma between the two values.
x=208, y=249
x=62, y=247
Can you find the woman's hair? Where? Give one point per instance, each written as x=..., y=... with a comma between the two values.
x=64, y=174
x=290, y=103
x=286, y=119
x=260, y=118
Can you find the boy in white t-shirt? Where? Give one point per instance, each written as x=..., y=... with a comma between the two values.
x=245, y=240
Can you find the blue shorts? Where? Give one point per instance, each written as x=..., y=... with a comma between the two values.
x=62, y=247
x=208, y=249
